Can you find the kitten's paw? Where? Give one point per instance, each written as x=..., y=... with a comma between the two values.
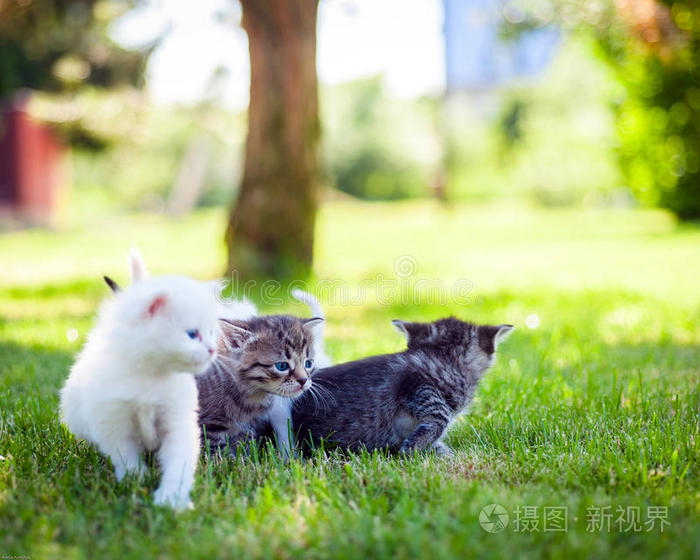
x=287, y=455
x=442, y=450
x=175, y=500
x=120, y=473
x=137, y=471
x=407, y=451
x=133, y=467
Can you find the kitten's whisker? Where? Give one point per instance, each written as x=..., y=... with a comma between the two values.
x=322, y=397
x=326, y=394
x=326, y=398
x=312, y=392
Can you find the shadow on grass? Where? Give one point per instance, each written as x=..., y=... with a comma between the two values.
x=31, y=368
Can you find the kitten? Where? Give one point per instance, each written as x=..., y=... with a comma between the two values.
x=275, y=421
x=263, y=362
x=132, y=389
x=321, y=358
x=228, y=309
x=402, y=401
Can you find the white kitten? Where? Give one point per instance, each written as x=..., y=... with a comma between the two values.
x=132, y=387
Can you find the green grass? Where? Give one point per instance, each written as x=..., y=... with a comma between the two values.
x=598, y=406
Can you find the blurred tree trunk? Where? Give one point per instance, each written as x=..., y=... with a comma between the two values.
x=271, y=226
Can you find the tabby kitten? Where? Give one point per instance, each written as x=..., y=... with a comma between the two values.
x=402, y=401
x=261, y=364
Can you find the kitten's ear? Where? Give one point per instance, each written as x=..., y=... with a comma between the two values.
x=137, y=266
x=402, y=327
x=490, y=337
x=313, y=322
x=235, y=336
x=414, y=332
x=156, y=305
x=112, y=285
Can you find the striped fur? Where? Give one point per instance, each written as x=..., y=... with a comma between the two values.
x=242, y=385
x=402, y=401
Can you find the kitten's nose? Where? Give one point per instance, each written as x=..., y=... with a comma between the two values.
x=211, y=351
x=303, y=381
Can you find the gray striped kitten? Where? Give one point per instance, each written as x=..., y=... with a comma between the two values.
x=404, y=401
x=262, y=362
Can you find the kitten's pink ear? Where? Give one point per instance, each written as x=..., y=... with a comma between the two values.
x=157, y=305
x=234, y=336
x=137, y=266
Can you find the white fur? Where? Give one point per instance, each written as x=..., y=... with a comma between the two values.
x=132, y=388
x=237, y=310
x=137, y=266
x=320, y=357
x=280, y=416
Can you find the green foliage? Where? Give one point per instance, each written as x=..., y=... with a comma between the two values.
x=596, y=407
x=147, y=146
x=375, y=147
x=60, y=45
x=652, y=48
x=559, y=150
x=659, y=120
x=549, y=141
x=62, y=49
x=91, y=119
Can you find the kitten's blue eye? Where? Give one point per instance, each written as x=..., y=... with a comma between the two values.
x=193, y=333
x=281, y=366
x=308, y=364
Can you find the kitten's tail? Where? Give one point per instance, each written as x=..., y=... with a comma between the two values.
x=309, y=299
x=322, y=359
x=237, y=310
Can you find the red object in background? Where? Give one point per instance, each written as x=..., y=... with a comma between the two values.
x=30, y=166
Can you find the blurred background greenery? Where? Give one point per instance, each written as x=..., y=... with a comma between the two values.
x=613, y=120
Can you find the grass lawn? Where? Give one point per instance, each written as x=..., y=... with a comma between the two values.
x=592, y=408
